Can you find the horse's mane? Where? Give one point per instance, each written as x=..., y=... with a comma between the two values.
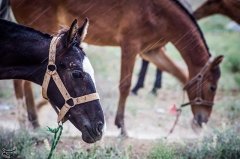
x=193, y=20
x=63, y=30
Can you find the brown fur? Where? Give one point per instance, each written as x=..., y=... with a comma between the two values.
x=229, y=8
x=138, y=27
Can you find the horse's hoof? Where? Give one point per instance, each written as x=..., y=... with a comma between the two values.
x=124, y=134
x=118, y=122
x=134, y=93
x=154, y=92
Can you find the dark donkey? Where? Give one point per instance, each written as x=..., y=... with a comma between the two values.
x=24, y=55
x=138, y=27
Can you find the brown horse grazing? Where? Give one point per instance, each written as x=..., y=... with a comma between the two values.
x=58, y=64
x=229, y=8
x=142, y=73
x=138, y=27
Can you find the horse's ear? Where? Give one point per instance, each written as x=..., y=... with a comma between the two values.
x=82, y=31
x=215, y=63
x=72, y=32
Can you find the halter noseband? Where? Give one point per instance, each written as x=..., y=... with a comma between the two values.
x=51, y=72
x=198, y=79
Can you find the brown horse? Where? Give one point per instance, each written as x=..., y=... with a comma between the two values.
x=138, y=27
x=145, y=63
x=229, y=8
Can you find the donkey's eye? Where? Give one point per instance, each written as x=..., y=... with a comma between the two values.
x=213, y=88
x=77, y=74
x=62, y=66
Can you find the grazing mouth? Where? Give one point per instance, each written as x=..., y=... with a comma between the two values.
x=88, y=135
x=196, y=126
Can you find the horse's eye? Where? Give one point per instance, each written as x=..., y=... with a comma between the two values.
x=213, y=88
x=77, y=74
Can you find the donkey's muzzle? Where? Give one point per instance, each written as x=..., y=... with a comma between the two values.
x=92, y=132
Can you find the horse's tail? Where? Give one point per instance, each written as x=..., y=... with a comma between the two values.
x=6, y=11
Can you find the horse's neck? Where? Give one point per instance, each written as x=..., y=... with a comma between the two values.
x=22, y=53
x=192, y=49
x=188, y=40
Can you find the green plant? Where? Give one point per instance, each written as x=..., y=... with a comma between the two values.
x=30, y=146
x=221, y=145
x=23, y=144
x=162, y=151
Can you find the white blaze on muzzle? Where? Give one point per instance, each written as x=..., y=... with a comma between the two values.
x=51, y=72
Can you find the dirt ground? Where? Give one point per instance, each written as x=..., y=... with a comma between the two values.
x=147, y=123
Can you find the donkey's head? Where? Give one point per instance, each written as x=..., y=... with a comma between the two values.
x=201, y=91
x=77, y=75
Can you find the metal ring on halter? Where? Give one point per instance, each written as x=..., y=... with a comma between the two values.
x=53, y=71
x=198, y=100
x=70, y=102
x=199, y=77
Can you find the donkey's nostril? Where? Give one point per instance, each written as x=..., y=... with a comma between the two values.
x=99, y=127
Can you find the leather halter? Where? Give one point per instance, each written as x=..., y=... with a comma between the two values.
x=51, y=72
x=198, y=79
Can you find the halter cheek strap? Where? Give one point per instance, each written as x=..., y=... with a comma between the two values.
x=198, y=79
x=51, y=72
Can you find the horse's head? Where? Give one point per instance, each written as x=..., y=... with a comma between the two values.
x=201, y=90
x=77, y=76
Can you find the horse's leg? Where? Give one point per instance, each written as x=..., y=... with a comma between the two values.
x=141, y=76
x=129, y=52
x=31, y=110
x=21, y=106
x=164, y=63
x=158, y=81
x=41, y=103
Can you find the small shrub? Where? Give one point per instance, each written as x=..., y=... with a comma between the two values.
x=221, y=145
x=23, y=142
x=98, y=153
x=162, y=151
x=27, y=146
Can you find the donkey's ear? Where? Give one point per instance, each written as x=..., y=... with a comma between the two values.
x=72, y=32
x=82, y=31
x=215, y=63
